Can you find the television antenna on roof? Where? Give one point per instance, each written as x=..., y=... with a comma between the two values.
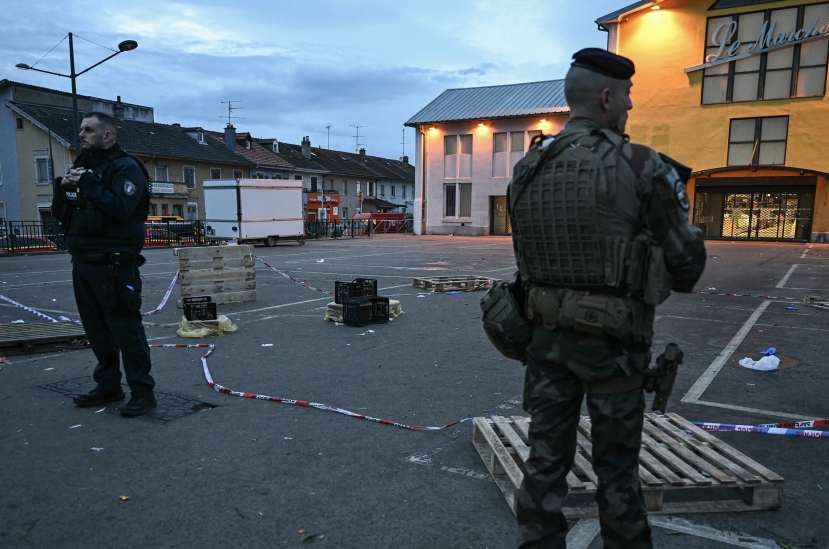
x=328, y=127
x=230, y=109
x=403, y=143
x=357, y=138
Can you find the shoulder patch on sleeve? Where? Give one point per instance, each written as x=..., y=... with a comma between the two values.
x=672, y=177
x=129, y=188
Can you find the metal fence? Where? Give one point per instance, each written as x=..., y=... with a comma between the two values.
x=48, y=236
x=344, y=228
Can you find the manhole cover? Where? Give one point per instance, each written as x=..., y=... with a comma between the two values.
x=170, y=406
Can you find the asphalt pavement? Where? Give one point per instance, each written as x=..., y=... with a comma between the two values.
x=213, y=470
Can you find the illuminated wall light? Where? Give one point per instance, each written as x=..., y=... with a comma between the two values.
x=543, y=120
x=656, y=7
x=481, y=125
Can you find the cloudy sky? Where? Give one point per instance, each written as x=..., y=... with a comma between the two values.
x=298, y=66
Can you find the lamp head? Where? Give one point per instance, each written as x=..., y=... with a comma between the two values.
x=127, y=45
x=23, y=66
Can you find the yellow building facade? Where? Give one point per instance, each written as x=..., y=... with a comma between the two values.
x=735, y=89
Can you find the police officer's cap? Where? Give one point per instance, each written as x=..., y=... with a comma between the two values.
x=604, y=62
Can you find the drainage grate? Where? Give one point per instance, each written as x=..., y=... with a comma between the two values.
x=170, y=406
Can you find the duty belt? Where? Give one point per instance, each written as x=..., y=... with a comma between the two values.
x=108, y=258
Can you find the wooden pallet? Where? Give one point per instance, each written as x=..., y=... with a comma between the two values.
x=677, y=459
x=452, y=283
x=24, y=339
x=225, y=273
x=821, y=302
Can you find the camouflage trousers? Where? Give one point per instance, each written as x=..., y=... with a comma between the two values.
x=553, y=396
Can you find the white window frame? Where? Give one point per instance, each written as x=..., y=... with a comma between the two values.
x=2, y=210
x=194, y=206
x=457, y=209
x=48, y=170
x=211, y=173
x=455, y=165
x=166, y=174
x=241, y=174
x=184, y=176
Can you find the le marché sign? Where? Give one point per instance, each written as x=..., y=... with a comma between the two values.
x=768, y=40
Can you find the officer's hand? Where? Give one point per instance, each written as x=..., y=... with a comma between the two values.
x=73, y=176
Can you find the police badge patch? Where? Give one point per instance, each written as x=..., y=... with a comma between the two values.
x=129, y=188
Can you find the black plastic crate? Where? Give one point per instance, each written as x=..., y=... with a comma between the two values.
x=199, y=308
x=362, y=311
x=359, y=287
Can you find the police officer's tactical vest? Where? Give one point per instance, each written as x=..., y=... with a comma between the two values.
x=86, y=219
x=565, y=232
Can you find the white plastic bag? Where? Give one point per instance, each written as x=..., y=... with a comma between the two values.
x=765, y=364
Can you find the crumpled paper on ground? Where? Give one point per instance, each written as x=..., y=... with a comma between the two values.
x=205, y=328
x=765, y=364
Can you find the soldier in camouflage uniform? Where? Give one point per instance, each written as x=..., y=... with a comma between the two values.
x=574, y=231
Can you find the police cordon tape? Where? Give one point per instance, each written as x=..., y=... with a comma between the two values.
x=289, y=277
x=750, y=295
x=29, y=309
x=67, y=319
x=166, y=297
x=325, y=407
x=715, y=427
x=799, y=424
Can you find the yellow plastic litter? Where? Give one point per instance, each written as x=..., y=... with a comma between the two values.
x=205, y=328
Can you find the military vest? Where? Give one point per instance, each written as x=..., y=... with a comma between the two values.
x=573, y=222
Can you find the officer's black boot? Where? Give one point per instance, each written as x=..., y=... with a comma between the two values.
x=98, y=396
x=139, y=404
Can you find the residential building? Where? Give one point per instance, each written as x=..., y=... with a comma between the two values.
x=267, y=165
x=735, y=89
x=177, y=158
x=467, y=142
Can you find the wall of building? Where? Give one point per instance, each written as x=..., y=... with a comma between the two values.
x=668, y=114
x=9, y=176
x=484, y=184
x=32, y=143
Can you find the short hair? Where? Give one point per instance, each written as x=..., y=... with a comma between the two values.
x=104, y=120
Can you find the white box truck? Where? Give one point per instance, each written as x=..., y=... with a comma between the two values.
x=254, y=210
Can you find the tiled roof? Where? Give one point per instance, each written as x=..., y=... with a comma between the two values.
x=349, y=163
x=293, y=155
x=144, y=138
x=533, y=98
x=256, y=153
x=8, y=83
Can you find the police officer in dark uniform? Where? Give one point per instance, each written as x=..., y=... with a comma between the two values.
x=103, y=202
x=601, y=237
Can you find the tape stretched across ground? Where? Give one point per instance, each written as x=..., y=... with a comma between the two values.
x=764, y=430
x=750, y=295
x=325, y=407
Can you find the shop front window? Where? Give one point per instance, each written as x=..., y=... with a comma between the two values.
x=764, y=70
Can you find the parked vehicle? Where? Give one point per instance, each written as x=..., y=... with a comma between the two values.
x=159, y=236
x=253, y=210
x=15, y=243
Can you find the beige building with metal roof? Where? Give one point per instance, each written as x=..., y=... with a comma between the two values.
x=467, y=142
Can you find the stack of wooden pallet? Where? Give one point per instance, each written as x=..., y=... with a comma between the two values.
x=821, y=302
x=43, y=337
x=677, y=460
x=225, y=273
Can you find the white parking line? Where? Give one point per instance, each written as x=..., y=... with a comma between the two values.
x=809, y=247
x=708, y=376
x=583, y=533
x=783, y=280
x=676, y=524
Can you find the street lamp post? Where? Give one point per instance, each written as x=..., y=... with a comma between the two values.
x=126, y=45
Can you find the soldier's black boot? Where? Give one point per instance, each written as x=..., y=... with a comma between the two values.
x=139, y=404
x=98, y=396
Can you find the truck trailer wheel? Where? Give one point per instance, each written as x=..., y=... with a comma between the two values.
x=270, y=241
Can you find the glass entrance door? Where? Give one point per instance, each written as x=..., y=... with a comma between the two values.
x=733, y=214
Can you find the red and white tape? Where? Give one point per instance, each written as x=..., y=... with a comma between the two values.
x=750, y=295
x=325, y=407
x=164, y=300
x=289, y=277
